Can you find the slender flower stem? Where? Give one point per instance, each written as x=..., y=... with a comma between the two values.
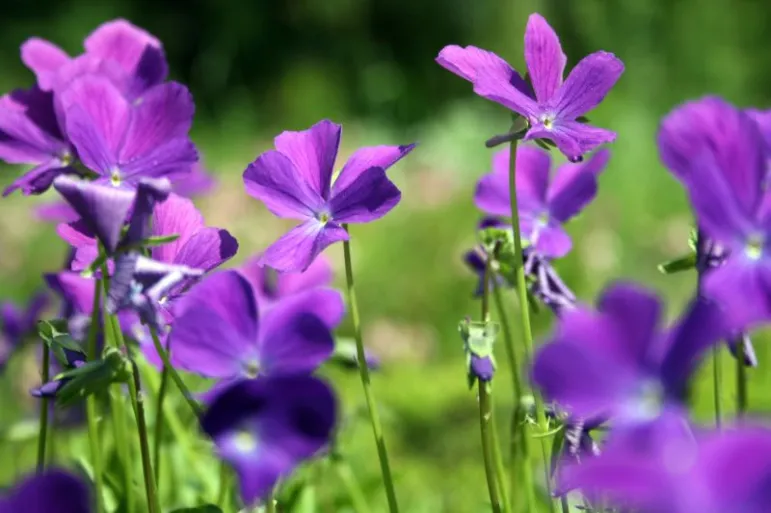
x=159, y=421
x=270, y=504
x=716, y=381
x=123, y=445
x=361, y=359
x=524, y=307
x=741, y=385
x=352, y=488
x=169, y=368
x=43, y=433
x=564, y=503
x=500, y=470
x=91, y=411
x=518, y=444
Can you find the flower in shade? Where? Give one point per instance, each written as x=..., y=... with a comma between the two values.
x=617, y=361
x=54, y=490
x=668, y=468
x=136, y=53
x=218, y=333
x=271, y=286
x=122, y=141
x=552, y=108
x=718, y=153
x=544, y=204
x=296, y=181
x=265, y=427
x=16, y=324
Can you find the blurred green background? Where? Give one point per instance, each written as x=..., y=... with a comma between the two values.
x=259, y=67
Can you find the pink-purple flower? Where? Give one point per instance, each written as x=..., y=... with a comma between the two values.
x=296, y=181
x=552, y=108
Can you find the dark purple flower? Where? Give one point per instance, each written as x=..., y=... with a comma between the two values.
x=123, y=141
x=218, y=333
x=618, y=362
x=667, y=468
x=266, y=427
x=53, y=491
x=137, y=54
x=544, y=204
x=554, y=111
x=296, y=181
x=16, y=324
x=718, y=153
x=481, y=367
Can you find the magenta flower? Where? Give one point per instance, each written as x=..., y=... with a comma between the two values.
x=54, y=490
x=296, y=181
x=554, y=111
x=265, y=427
x=618, y=362
x=718, y=153
x=545, y=203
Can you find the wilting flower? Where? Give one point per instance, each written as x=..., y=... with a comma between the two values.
x=54, y=490
x=670, y=469
x=617, y=362
x=266, y=427
x=554, y=112
x=18, y=324
x=544, y=204
x=218, y=333
x=123, y=142
x=296, y=181
x=718, y=153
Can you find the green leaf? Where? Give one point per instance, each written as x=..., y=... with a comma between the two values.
x=54, y=335
x=207, y=508
x=93, y=377
x=684, y=263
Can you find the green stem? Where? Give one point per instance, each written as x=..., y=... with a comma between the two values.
x=159, y=421
x=524, y=309
x=123, y=445
x=222, y=493
x=91, y=410
x=270, y=505
x=741, y=385
x=500, y=469
x=351, y=485
x=485, y=416
x=516, y=447
x=167, y=366
x=716, y=381
x=43, y=433
x=361, y=358
x=564, y=503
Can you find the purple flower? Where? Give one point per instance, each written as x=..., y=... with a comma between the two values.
x=123, y=141
x=669, y=469
x=718, y=153
x=196, y=182
x=617, y=362
x=18, y=324
x=54, y=490
x=296, y=181
x=546, y=284
x=271, y=286
x=136, y=53
x=266, y=427
x=544, y=204
x=481, y=367
x=555, y=110
x=218, y=333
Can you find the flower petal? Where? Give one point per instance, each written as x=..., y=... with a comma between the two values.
x=313, y=153
x=29, y=133
x=298, y=248
x=215, y=327
x=366, y=158
x=742, y=287
x=371, y=196
x=138, y=53
x=544, y=57
x=195, y=182
x=323, y=302
x=587, y=85
x=573, y=139
x=175, y=215
x=38, y=179
x=165, y=160
x=550, y=241
x=54, y=490
x=207, y=249
x=318, y=274
x=57, y=212
x=293, y=339
x=74, y=289
x=574, y=186
x=102, y=208
x=273, y=179
x=44, y=59
x=97, y=116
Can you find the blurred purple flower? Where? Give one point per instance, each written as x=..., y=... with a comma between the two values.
x=266, y=427
x=544, y=204
x=218, y=333
x=617, y=362
x=53, y=490
x=554, y=111
x=16, y=324
x=196, y=182
x=718, y=153
x=296, y=181
x=271, y=286
x=669, y=469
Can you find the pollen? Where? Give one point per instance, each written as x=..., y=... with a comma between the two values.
x=115, y=178
x=244, y=441
x=754, y=248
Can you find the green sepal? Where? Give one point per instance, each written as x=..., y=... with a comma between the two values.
x=683, y=263
x=54, y=334
x=93, y=377
x=479, y=337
